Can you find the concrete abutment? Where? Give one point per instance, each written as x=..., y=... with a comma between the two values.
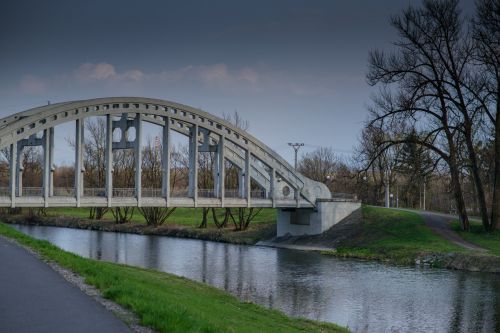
x=314, y=221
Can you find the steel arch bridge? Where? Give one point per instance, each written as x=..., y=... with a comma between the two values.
x=280, y=184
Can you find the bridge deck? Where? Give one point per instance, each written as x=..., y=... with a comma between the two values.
x=56, y=201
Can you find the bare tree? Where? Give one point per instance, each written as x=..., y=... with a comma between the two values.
x=378, y=160
x=94, y=159
x=151, y=165
x=425, y=88
x=152, y=178
x=320, y=164
x=486, y=35
x=236, y=120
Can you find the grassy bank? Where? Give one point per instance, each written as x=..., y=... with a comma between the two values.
x=477, y=235
x=169, y=303
x=183, y=222
x=394, y=235
x=189, y=217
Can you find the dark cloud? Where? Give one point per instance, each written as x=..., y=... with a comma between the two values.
x=297, y=63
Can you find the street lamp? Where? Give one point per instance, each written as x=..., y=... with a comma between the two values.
x=296, y=146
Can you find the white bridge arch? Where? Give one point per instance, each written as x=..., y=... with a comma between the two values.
x=283, y=186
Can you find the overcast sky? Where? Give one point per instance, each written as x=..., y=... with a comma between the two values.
x=294, y=69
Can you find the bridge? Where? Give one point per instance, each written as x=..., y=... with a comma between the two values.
x=305, y=206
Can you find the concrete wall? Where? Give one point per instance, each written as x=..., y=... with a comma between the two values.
x=308, y=221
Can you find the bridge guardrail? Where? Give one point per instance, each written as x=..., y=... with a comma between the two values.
x=123, y=192
x=32, y=191
x=151, y=192
x=64, y=191
x=94, y=192
x=346, y=196
x=4, y=191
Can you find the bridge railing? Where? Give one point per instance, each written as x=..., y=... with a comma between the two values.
x=207, y=193
x=123, y=192
x=32, y=191
x=232, y=193
x=258, y=194
x=179, y=193
x=130, y=192
x=4, y=191
x=344, y=196
x=64, y=191
x=94, y=192
x=152, y=192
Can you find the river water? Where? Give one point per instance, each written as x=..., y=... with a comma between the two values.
x=364, y=296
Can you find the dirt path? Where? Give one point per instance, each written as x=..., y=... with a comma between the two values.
x=439, y=223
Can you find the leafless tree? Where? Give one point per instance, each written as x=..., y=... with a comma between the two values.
x=486, y=36
x=94, y=161
x=427, y=85
x=236, y=120
x=320, y=164
x=152, y=178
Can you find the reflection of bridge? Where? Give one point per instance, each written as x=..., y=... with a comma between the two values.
x=279, y=184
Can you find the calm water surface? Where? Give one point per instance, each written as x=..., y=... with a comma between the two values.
x=365, y=296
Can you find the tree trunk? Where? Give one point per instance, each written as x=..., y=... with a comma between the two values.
x=457, y=191
x=478, y=183
x=495, y=206
x=203, y=223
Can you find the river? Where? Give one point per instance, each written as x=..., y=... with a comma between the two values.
x=364, y=296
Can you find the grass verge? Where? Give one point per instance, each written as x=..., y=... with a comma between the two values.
x=184, y=222
x=394, y=235
x=477, y=235
x=168, y=303
x=189, y=217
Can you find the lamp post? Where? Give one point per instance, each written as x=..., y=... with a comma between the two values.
x=296, y=146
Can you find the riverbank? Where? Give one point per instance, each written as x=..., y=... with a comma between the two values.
x=372, y=233
x=168, y=303
x=399, y=237
x=183, y=223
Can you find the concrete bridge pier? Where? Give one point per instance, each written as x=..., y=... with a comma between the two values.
x=313, y=221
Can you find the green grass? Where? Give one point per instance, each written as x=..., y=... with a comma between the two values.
x=190, y=217
x=477, y=235
x=263, y=226
x=169, y=303
x=394, y=235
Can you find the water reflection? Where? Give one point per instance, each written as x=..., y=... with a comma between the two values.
x=366, y=297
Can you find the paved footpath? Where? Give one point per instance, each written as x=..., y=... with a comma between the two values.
x=35, y=298
x=440, y=224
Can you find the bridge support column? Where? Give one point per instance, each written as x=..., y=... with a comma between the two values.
x=222, y=171
x=241, y=183
x=248, y=187
x=79, y=161
x=19, y=170
x=138, y=158
x=165, y=161
x=193, y=164
x=46, y=165
x=216, y=173
x=13, y=172
x=109, y=159
x=272, y=181
x=297, y=196
x=51, y=162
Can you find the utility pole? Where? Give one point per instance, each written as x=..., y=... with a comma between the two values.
x=387, y=190
x=425, y=180
x=296, y=146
